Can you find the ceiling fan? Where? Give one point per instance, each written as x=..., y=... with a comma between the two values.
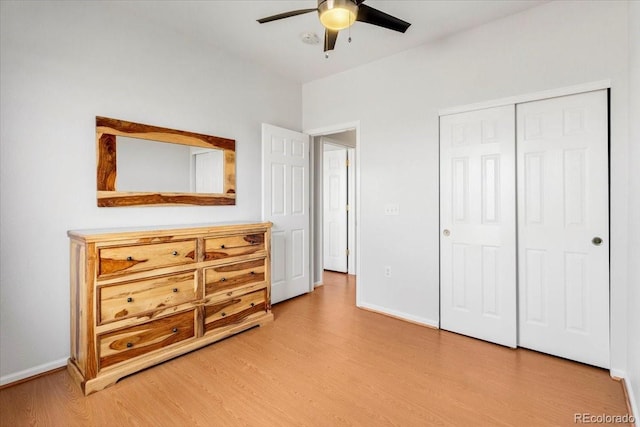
x=336, y=15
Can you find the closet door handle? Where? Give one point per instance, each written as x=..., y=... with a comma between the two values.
x=446, y=233
x=597, y=241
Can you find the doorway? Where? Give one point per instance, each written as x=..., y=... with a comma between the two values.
x=337, y=199
x=340, y=139
x=292, y=179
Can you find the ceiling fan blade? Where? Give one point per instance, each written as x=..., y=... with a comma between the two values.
x=375, y=17
x=330, y=37
x=286, y=15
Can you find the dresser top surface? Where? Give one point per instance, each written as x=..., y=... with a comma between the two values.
x=172, y=229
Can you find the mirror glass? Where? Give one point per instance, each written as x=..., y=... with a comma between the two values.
x=154, y=166
x=146, y=165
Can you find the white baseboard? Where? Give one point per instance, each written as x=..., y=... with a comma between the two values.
x=630, y=393
x=17, y=376
x=617, y=373
x=399, y=314
x=632, y=400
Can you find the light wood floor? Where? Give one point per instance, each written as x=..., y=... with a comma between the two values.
x=323, y=362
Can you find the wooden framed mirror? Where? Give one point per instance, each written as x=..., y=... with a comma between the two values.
x=140, y=165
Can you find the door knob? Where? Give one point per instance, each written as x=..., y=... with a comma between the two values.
x=446, y=233
x=596, y=241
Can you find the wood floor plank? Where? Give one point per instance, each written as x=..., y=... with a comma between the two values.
x=324, y=362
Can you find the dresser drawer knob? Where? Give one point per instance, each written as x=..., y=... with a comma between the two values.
x=129, y=258
x=252, y=273
x=129, y=344
x=229, y=294
x=174, y=330
x=224, y=279
x=221, y=246
x=174, y=253
x=223, y=314
x=253, y=304
x=129, y=299
x=175, y=289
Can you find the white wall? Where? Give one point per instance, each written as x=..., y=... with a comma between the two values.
x=397, y=99
x=63, y=63
x=633, y=358
x=346, y=138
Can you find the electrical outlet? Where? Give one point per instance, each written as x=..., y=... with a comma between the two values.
x=387, y=271
x=392, y=209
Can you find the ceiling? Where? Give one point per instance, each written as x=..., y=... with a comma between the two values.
x=232, y=26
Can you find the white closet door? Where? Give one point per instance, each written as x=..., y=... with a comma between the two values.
x=563, y=227
x=478, y=228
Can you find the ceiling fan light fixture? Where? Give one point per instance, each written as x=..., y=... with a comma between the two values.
x=337, y=14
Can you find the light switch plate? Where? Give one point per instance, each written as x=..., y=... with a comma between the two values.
x=392, y=209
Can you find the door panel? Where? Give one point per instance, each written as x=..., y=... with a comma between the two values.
x=563, y=204
x=279, y=252
x=335, y=209
x=477, y=214
x=205, y=178
x=285, y=202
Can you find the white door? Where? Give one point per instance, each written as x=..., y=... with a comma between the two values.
x=477, y=224
x=335, y=208
x=563, y=232
x=206, y=171
x=285, y=202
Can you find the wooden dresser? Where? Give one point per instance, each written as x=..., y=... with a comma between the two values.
x=140, y=297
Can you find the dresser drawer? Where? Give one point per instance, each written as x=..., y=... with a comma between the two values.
x=234, y=310
x=129, y=259
x=228, y=246
x=230, y=277
x=119, y=346
x=132, y=298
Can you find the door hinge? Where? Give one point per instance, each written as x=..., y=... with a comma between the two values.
x=348, y=252
x=348, y=162
x=348, y=207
